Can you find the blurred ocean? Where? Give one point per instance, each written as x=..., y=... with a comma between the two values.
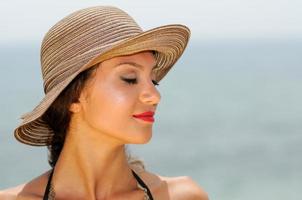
x=230, y=117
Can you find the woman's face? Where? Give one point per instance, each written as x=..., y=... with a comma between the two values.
x=108, y=102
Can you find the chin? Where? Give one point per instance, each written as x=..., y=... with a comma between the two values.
x=140, y=138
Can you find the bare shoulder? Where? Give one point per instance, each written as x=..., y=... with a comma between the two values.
x=172, y=188
x=32, y=190
x=11, y=193
x=185, y=188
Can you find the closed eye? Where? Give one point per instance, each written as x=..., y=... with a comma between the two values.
x=134, y=81
x=130, y=81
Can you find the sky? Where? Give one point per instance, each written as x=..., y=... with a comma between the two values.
x=208, y=19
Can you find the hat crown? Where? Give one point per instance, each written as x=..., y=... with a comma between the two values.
x=79, y=33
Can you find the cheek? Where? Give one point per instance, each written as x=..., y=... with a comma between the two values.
x=110, y=104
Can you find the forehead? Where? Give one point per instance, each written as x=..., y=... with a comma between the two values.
x=142, y=60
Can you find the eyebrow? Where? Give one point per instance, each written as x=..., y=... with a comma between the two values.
x=134, y=64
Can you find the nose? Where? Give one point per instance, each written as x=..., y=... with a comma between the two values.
x=150, y=95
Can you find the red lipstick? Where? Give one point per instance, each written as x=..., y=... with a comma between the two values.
x=146, y=116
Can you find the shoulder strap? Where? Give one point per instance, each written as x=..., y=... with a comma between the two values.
x=141, y=182
x=46, y=193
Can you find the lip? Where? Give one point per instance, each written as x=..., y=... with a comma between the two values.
x=146, y=116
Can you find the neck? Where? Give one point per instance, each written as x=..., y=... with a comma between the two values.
x=92, y=168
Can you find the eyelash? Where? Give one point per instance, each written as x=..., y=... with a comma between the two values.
x=134, y=81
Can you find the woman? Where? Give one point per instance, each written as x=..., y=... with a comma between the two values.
x=100, y=72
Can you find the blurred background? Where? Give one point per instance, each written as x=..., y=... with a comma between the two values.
x=230, y=114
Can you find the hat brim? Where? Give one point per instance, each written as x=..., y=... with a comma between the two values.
x=169, y=41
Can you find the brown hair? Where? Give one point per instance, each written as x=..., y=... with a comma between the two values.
x=58, y=116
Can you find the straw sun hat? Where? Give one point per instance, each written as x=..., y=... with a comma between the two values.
x=87, y=37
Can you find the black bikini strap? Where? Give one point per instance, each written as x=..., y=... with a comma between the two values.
x=47, y=189
x=141, y=182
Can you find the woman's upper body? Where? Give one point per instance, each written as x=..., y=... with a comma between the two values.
x=101, y=124
x=87, y=128
x=162, y=188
